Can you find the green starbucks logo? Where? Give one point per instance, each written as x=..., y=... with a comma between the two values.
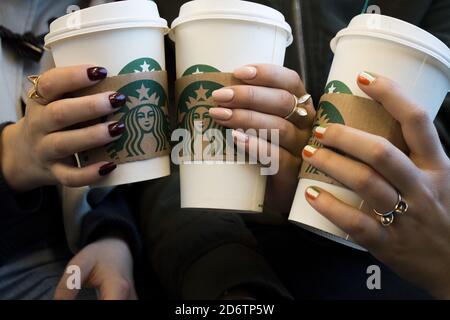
x=145, y=120
x=141, y=65
x=194, y=104
x=199, y=69
x=336, y=86
x=326, y=115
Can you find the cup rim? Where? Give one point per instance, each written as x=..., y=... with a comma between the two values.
x=282, y=25
x=403, y=39
x=104, y=25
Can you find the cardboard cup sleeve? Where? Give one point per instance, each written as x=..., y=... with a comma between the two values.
x=193, y=100
x=356, y=112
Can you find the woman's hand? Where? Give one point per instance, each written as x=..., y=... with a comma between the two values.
x=106, y=265
x=417, y=244
x=263, y=104
x=38, y=150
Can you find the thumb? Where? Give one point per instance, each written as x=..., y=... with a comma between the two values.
x=74, y=277
x=116, y=288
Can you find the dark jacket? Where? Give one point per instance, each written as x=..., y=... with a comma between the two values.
x=200, y=254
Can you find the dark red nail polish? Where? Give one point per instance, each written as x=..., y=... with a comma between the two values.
x=117, y=100
x=97, y=73
x=116, y=129
x=107, y=169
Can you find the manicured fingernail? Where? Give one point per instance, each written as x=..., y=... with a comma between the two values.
x=319, y=132
x=221, y=113
x=223, y=95
x=309, y=151
x=239, y=136
x=312, y=193
x=97, y=73
x=366, y=78
x=107, y=169
x=116, y=129
x=117, y=100
x=245, y=73
x=302, y=112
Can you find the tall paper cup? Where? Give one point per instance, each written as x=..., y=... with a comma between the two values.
x=215, y=35
x=124, y=37
x=403, y=52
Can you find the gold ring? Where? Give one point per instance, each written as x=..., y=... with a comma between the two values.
x=298, y=110
x=34, y=92
x=401, y=207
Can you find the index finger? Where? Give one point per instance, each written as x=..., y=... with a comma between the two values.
x=56, y=82
x=273, y=76
x=418, y=129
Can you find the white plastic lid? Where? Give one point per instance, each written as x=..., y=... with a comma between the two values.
x=232, y=10
x=109, y=16
x=399, y=31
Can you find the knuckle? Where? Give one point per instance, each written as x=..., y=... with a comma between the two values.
x=335, y=129
x=57, y=114
x=60, y=148
x=284, y=128
x=124, y=286
x=65, y=179
x=285, y=98
x=295, y=77
x=100, y=133
x=386, y=86
x=250, y=94
x=381, y=151
x=297, y=82
x=45, y=85
x=364, y=180
x=357, y=228
x=418, y=116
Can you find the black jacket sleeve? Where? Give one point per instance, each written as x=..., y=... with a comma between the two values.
x=199, y=254
x=35, y=217
x=112, y=216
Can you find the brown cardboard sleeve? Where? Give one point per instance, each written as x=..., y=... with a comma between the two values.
x=356, y=112
x=149, y=145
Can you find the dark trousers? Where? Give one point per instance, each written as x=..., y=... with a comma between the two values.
x=199, y=254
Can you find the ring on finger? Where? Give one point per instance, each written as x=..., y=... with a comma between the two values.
x=298, y=112
x=401, y=207
x=34, y=92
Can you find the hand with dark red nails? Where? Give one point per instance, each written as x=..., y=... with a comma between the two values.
x=97, y=73
x=37, y=150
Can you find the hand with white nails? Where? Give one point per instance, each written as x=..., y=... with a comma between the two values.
x=263, y=103
x=417, y=244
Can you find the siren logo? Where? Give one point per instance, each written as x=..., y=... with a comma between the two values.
x=193, y=106
x=144, y=117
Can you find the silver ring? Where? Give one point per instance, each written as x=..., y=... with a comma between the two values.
x=298, y=109
x=400, y=208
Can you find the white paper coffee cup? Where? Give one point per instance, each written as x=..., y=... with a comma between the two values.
x=412, y=57
x=222, y=36
x=124, y=37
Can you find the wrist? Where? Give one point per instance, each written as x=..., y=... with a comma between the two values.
x=10, y=147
